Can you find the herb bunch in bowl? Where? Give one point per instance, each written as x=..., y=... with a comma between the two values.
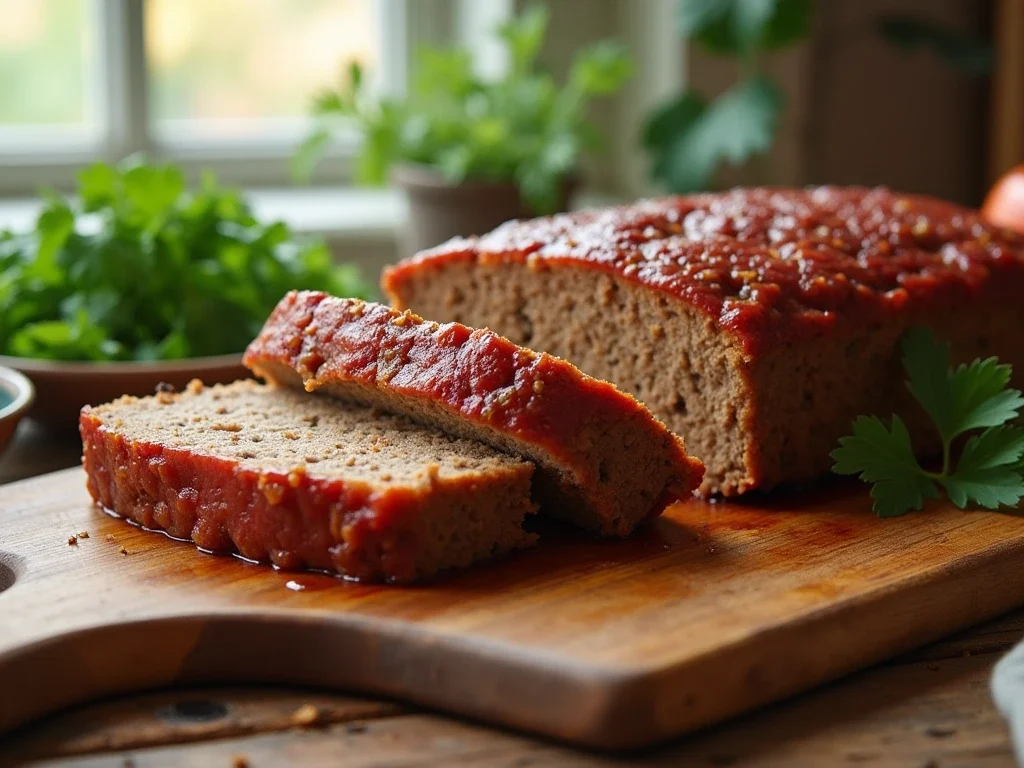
x=141, y=268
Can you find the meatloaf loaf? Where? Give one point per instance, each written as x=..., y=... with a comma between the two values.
x=304, y=483
x=603, y=461
x=756, y=323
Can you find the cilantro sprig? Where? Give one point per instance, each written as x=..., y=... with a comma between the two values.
x=961, y=400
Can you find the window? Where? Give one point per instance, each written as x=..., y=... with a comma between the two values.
x=47, y=52
x=222, y=84
x=237, y=69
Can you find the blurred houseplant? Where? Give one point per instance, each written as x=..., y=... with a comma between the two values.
x=690, y=137
x=472, y=153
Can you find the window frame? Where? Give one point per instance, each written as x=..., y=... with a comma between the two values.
x=122, y=108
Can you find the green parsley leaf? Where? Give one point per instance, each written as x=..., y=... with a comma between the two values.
x=886, y=458
x=969, y=397
x=958, y=400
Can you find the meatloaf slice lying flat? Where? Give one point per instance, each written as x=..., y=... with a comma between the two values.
x=603, y=461
x=304, y=483
x=755, y=323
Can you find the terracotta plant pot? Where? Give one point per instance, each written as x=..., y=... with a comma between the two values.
x=439, y=211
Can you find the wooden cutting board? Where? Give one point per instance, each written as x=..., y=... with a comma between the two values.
x=712, y=610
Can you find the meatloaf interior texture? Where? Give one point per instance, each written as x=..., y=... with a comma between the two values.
x=602, y=460
x=757, y=324
x=303, y=482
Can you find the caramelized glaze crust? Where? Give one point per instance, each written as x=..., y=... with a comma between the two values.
x=477, y=384
x=769, y=264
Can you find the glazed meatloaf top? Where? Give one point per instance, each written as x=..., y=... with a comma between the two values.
x=604, y=460
x=768, y=264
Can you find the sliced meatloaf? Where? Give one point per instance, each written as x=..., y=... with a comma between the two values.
x=603, y=461
x=755, y=323
x=278, y=476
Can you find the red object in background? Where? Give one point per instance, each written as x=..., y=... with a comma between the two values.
x=1004, y=205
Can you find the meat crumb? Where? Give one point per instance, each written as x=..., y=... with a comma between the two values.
x=124, y=551
x=83, y=534
x=240, y=761
x=305, y=716
x=72, y=541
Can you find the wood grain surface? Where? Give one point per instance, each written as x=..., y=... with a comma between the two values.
x=715, y=609
x=926, y=709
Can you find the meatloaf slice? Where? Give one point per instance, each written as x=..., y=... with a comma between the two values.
x=755, y=323
x=603, y=461
x=304, y=483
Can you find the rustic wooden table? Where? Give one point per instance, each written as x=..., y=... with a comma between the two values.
x=930, y=708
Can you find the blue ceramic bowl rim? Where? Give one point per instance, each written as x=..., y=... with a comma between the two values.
x=17, y=384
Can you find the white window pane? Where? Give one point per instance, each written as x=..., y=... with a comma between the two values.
x=47, y=59
x=243, y=68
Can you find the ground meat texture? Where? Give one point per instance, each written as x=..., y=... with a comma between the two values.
x=302, y=482
x=757, y=324
x=603, y=460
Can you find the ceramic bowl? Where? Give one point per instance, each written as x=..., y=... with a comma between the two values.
x=16, y=396
x=62, y=388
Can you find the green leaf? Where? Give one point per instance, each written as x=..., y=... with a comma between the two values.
x=970, y=397
x=524, y=35
x=989, y=488
x=886, y=458
x=927, y=362
x=329, y=103
x=980, y=397
x=962, y=51
x=97, y=185
x=732, y=129
x=997, y=446
x=988, y=472
x=153, y=190
x=444, y=75
x=601, y=69
x=672, y=119
x=741, y=26
x=665, y=125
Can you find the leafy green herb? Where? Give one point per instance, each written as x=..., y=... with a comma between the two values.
x=522, y=128
x=165, y=273
x=959, y=400
x=689, y=138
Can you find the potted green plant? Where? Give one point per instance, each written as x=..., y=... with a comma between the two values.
x=471, y=153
